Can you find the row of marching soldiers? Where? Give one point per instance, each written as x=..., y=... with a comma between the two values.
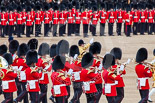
x=25, y=70
x=15, y=18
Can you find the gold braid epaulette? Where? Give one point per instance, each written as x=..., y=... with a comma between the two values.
x=2, y=75
x=33, y=69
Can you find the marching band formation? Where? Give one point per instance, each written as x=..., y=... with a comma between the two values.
x=24, y=68
x=66, y=17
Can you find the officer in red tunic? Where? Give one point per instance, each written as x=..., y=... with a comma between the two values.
x=95, y=49
x=103, y=16
x=85, y=20
x=3, y=21
x=63, y=49
x=77, y=21
x=111, y=20
x=94, y=20
x=22, y=80
x=59, y=80
x=11, y=21
x=33, y=44
x=119, y=19
x=19, y=20
x=37, y=21
x=33, y=76
x=135, y=20
x=89, y=77
x=55, y=19
x=150, y=20
x=62, y=20
x=76, y=78
x=45, y=67
x=15, y=20
x=117, y=52
x=70, y=20
x=110, y=76
x=8, y=78
x=47, y=20
x=143, y=74
x=28, y=22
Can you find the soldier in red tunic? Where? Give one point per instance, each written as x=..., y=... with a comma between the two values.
x=46, y=20
x=33, y=76
x=150, y=19
x=37, y=21
x=59, y=80
x=3, y=21
x=94, y=21
x=77, y=20
x=143, y=74
x=95, y=49
x=28, y=22
x=8, y=78
x=89, y=77
x=103, y=17
x=24, y=18
x=44, y=65
x=19, y=20
x=11, y=21
x=135, y=20
x=117, y=52
x=142, y=21
x=110, y=76
x=21, y=67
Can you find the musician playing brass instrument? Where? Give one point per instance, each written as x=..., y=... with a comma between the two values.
x=153, y=77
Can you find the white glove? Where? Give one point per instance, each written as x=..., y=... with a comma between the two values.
x=146, y=20
x=70, y=72
x=123, y=21
x=74, y=21
x=116, y=21
x=7, y=22
x=42, y=21
x=107, y=21
x=91, y=41
x=139, y=20
x=15, y=23
x=100, y=67
x=0, y=23
x=75, y=56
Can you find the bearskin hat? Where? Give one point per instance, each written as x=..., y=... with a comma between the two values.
x=43, y=49
x=108, y=61
x=141, y=55
x=33, y=44
x=2, y=8
x=3, y=49
x=87, y=60
x=53, y=51
x=31, y=57
x=154, y=52
x=13, y=46
x=117, y=52
x=37, y=7
x=58, y=63
x=28, y=9
x=22, y=49
x=95, y=48
x=74, y=49
x=19, y=8
x=8, y=58
x=62, y=47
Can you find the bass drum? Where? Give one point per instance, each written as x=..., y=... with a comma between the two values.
x=3, y=63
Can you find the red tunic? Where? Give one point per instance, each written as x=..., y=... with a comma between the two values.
x=29, y=20
x=78, y=17
x=136, y=17
x=3, y=19
x=128, y=19
x=150, y=17
x=119, y=16
x=24, y=16
x=11, y=19
x=103, y=16
x=55, y=17
x=61, y=82
x=111, y=17
x=33, y=79
x=62, y=18
x=9, y=79
x=47, y=18
x=19, y=19
x=142, y=17
x=85, y=17
x=33, y=15
x=94, y=18
x=70, y=17
x=109, y=79
x=38, y=18
x=143, y=71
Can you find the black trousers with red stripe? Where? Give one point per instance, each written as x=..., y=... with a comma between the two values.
x=144, y=96
x=120, y=94
x=111, y=99
x=34, y=97
x=43, y=95
x=8, y=97
x=99, y=92
x=91, y=98
x=61, y=99
x=77, y=86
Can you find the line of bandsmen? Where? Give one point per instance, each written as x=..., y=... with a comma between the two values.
x=136, y=18
x=24, y=70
